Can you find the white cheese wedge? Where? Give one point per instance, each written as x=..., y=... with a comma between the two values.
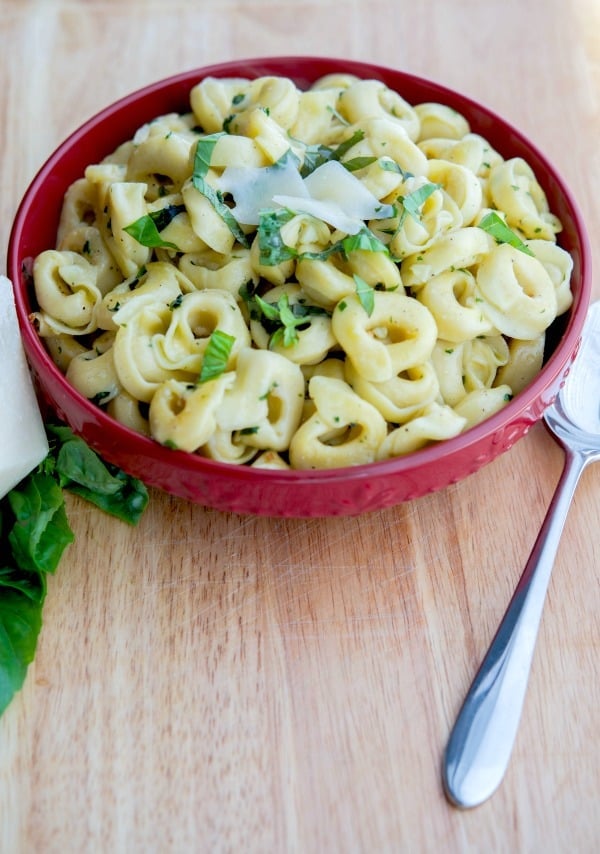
x=343, y=200
x=253, y=188
x=23, y=442
x=330, y=193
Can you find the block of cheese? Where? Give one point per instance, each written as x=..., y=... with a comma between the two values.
x=23, y=442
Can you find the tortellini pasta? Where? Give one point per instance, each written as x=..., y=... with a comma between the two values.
x=288, y=278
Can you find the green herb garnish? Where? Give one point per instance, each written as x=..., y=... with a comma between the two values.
x=412, y=202
x=146, y=230
x=202, y=158
x=281, y=319
x=317, y=155
x=34, y=532
x=499, y=230
x=216, y=355
x=272, y=249
x=357, y=163
x=365, y=293
x=363, y=241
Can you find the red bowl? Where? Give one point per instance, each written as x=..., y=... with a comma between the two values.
x=242, y=489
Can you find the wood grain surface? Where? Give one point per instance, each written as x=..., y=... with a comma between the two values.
x=213, y=683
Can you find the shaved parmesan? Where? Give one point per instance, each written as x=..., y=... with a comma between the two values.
x=23, y=442
x=328, y=212
x=330, y=193
x=332, y=184
x=253, y=188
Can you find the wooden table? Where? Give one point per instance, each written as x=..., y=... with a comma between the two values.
x=213, y=683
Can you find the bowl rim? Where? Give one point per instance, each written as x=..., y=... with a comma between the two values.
x=553, y=369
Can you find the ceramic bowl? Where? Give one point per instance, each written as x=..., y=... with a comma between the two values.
x=292, y=493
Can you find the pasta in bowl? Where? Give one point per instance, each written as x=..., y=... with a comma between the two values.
x=299, y=286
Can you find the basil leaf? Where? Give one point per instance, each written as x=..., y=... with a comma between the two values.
x=216, y=355
x=41, y=531
x=77, y=463
x=364, y=240
x=358, y=163
x=499, y=230
x=338, y=115
x=365, y=293
x=272, y=249
x=146, y=230
x=165, y=216
x=411, y=203
x=81, y=471
x=317, y=155
x=344, y=147
x=20, y=624
x=203, y=154
x=283, y=319
x=126, y=503
x=270, y=310
x=288, y=321
x=314, y=156
x=202, y=157
x=30, y=584
x=34, y=532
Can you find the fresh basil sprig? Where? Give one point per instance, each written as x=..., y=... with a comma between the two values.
x=34, y=532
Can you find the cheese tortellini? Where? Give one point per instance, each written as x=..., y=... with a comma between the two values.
x=308, y=279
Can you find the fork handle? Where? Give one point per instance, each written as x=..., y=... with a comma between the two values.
x=483, y=735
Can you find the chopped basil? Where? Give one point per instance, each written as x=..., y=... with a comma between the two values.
x=344, y=147
x=202, y=158
x=163, y=217
x=272, y=249
x=146, y=230
x=216, y=355
x=286, y=333
x=412, y=202
x=392, y=166
x=365, y=293
x=495, y=226
x=337, y=115
x=358, y=163
x=316, y=155
x=281, y=319
x=364, y=241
